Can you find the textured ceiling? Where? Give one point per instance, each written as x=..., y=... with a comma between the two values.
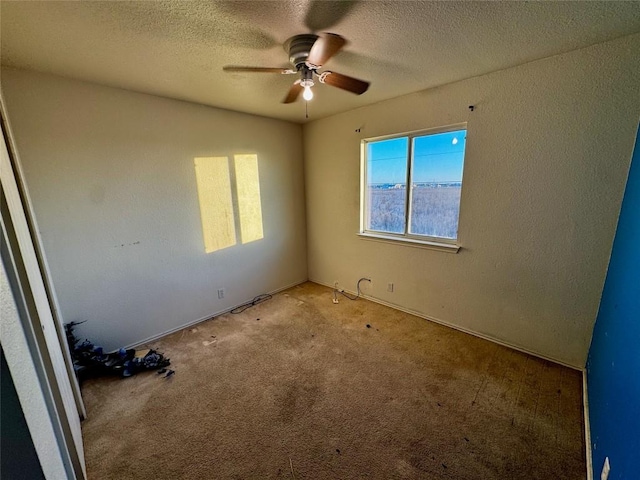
x=177, y=48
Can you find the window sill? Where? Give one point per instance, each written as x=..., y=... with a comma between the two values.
x=410, y=242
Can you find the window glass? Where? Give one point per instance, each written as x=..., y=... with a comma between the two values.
x=436, y=184
x=387, y=185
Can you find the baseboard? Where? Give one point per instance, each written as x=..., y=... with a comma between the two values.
x=587, y=425
x=153, y=338
x=456, y=327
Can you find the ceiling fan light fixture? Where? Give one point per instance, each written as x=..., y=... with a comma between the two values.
x=307, y=54
x=308, y=93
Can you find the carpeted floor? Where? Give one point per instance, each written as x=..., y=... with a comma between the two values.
x=300, y=388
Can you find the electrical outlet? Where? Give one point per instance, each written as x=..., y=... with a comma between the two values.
x=605, y=469
x=389, y=287
x=221, y=293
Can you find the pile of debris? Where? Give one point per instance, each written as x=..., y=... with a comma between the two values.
x=89, y=360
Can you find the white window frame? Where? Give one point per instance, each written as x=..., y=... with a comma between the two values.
x=406, y=238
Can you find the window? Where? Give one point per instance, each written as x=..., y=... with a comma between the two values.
x=431, y=163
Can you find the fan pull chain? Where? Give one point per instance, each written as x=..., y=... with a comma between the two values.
x=306, y=109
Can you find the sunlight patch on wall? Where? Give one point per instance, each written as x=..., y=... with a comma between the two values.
x=229, y=196
x=216, y=202
x=249, y=205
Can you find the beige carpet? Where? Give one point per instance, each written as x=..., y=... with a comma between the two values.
x=300, y=382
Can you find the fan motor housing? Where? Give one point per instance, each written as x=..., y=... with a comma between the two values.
x=298, y=48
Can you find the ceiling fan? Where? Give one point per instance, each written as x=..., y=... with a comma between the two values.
x=307, y=53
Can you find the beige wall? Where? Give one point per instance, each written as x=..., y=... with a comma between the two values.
x=548, y=151
x=112, y=180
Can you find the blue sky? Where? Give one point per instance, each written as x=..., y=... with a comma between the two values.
x=437, y=158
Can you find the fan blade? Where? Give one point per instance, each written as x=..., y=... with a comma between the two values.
x=234, y=68
x=293, y=93
x=325, y=47
x=344, y=82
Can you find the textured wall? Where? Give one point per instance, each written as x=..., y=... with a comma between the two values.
x=613, y=368
x=548, y=149
x=111, y=176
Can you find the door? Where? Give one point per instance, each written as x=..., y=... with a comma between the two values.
x=33, y=288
